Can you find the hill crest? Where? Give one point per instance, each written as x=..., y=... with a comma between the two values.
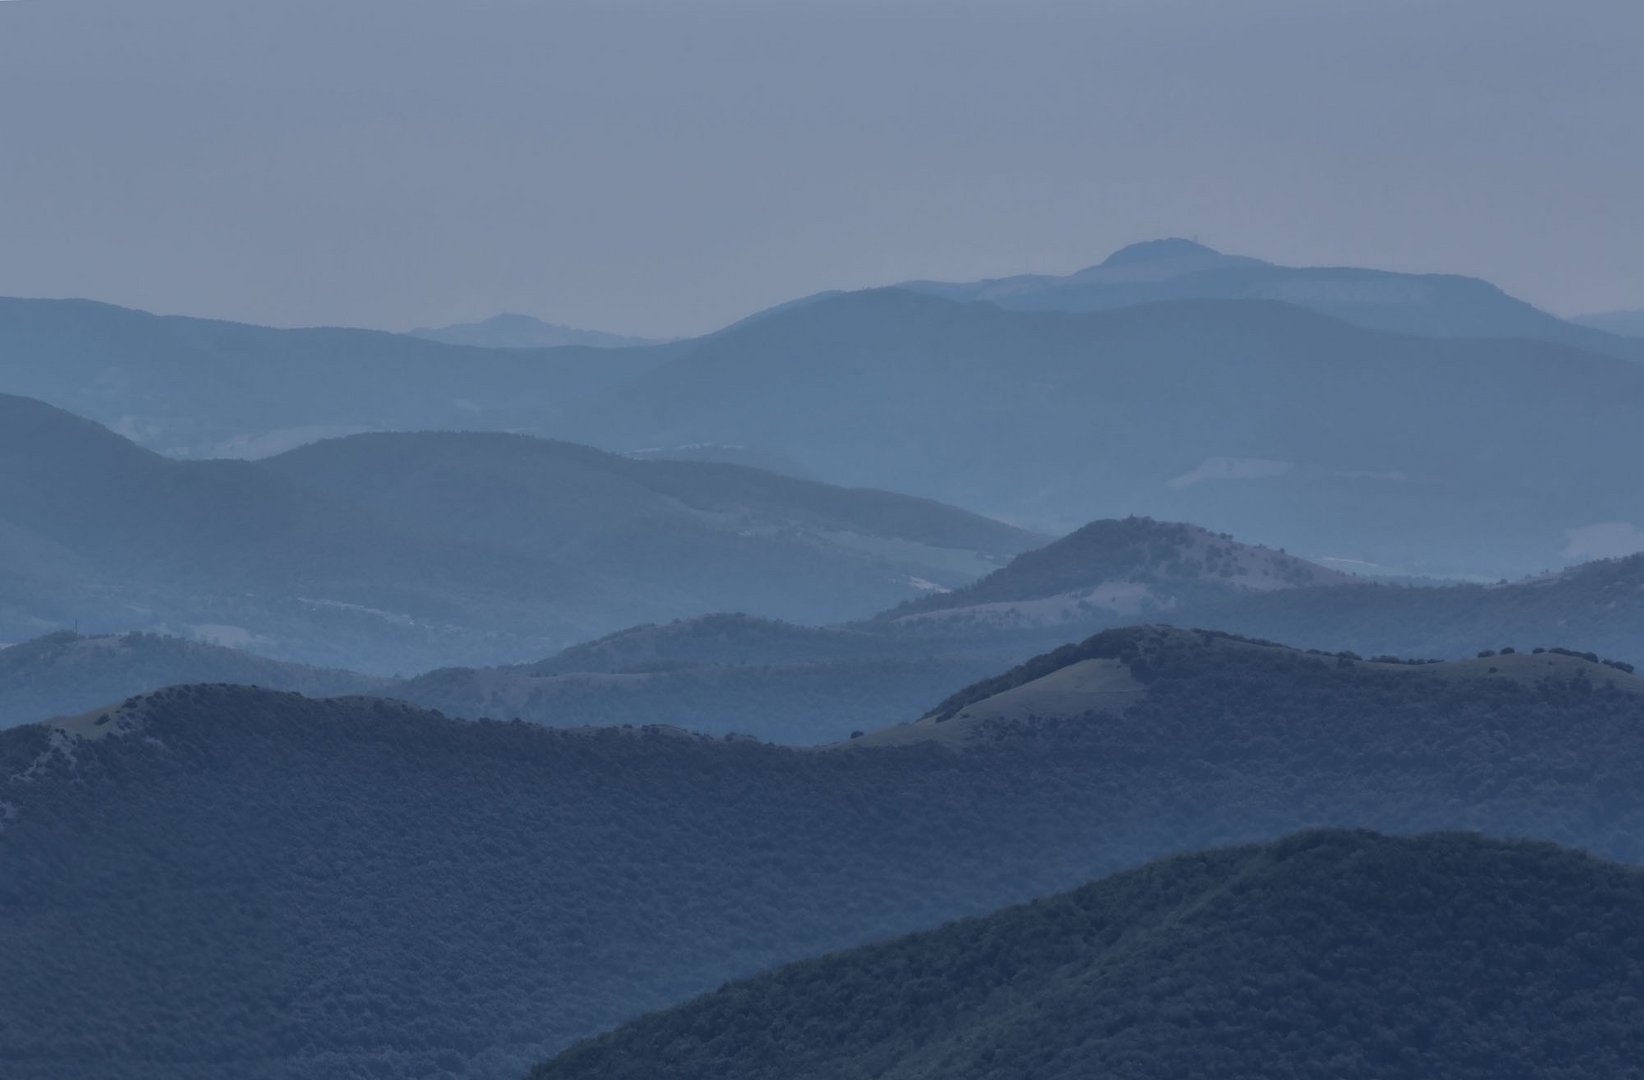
x=1131, y=566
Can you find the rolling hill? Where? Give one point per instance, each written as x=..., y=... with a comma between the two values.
x=1595, y=607
x=65, y=673
x=216, y=879
x=1128, y=567
x=205, y=388
x=1114, y=573
x=393, y=553
x=802, y=685
x=723, y=674
x=1321, y=956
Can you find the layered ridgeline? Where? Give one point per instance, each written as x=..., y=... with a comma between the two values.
x=1318, y=957
x=64, y=673
x=1137, y=570
x=724, y=674
x=510, y=331
x=399, y=552
x=1252, y=417
x=734, y=673
x=1237, y=408
x=1435, y=305
x=792, y=684
x=217, y=880
x=805, y=684
x=204, y=388
x=1595, y=607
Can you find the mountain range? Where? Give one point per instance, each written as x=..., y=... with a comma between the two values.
x=206, y=388
x=218, y=879
x=1324, y=955
x=392, y=553
x=743, y=674
x=802, y=685
x=1251, y=417
x=1430, y=305
x=1344, y=413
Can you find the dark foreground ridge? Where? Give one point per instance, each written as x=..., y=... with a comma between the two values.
x=216, y=880
x=1324, y=956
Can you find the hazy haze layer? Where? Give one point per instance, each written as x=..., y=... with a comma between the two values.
x=643, y=169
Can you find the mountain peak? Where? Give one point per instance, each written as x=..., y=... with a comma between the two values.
x=1155, y=250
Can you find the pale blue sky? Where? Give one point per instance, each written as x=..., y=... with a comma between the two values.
x=662, y=168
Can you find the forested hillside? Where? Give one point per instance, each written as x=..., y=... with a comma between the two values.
x=1324, y=956
x=219, y=879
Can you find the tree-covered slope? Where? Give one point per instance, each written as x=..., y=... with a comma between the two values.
x=1324, y=956
x=218, y=879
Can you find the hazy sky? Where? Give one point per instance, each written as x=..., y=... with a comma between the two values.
x=665, y=167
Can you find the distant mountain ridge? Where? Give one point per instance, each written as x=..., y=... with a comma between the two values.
x=395, y=553
x=492, y=891
x=511, y=331
x=1252, y=417
x=1625, y=323
x=1316, y=957
x=1439, y=305
x=1243, y=409
x=64, y=673
x=207, y=388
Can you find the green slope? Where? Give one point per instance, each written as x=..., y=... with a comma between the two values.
x=220, y=880
x=1325, y=956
